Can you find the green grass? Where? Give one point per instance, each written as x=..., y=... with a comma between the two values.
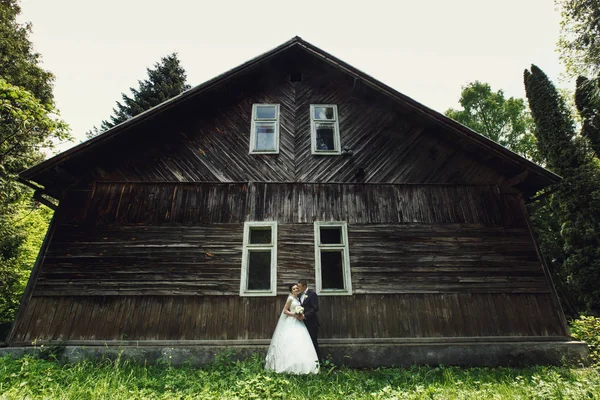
x=32, y=378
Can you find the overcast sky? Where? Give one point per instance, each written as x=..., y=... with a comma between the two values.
x=425, y=49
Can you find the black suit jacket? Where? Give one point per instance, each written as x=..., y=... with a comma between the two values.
x=311, y=308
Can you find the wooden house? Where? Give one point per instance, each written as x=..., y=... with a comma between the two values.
x=184, y=225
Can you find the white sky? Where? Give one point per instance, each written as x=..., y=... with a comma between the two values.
x=427, y=50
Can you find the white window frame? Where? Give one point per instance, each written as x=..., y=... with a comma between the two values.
x=313, y=131
x=347, y=291
x=248, y=247
x=253, y=149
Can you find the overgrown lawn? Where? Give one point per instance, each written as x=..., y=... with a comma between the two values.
x=28, y=377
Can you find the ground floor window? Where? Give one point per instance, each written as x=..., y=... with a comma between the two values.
x=259, y=260
x=332, y=259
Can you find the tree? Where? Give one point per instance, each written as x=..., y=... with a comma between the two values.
x=587, y=100
x=166, y=80
x=26, y=126
x=577, y=197
x=579, y=43
x=506, y=121
x=19, y=64
x=23, y=231
x=28, y=123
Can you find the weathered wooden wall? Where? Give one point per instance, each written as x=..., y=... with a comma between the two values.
x=153, y=249
x=426, y=260
x=208, y=138
x=238, y=318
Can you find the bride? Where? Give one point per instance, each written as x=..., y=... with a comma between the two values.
x=291, y=350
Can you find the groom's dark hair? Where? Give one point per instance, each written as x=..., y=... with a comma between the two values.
x=302, y=282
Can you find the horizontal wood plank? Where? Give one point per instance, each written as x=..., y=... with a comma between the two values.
x=361, y=316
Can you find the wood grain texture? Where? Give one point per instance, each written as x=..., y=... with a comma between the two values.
x=207, y=139
x=206, y=203
x=186, y=239
x=148, y=237
x=243, y=318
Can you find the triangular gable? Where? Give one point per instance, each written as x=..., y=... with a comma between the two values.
x=529, y=174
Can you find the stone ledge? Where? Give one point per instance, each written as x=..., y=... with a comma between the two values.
x=353, y=355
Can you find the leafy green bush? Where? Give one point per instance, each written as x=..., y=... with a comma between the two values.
x=588, y=329
x=23, y=226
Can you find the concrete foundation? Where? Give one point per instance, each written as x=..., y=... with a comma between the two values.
x=360, y=355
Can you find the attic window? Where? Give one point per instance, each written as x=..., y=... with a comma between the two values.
x=259, y=259
x=264, y=132
x=325, y=130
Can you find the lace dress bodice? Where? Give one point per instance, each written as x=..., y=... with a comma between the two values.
x=295, y=303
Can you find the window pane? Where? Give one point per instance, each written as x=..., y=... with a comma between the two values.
x=260, y=235
x=323, y=113
x=331, y=235
x=325, y=134
x=259, y=270
x=265, y=112
x=332, y=275
x=265, y=136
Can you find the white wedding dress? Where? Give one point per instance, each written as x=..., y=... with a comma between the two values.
x=291, y=350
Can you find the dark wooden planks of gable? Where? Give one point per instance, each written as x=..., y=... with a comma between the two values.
x=207, y=139
x=115, y=318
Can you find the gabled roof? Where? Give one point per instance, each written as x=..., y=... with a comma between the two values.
x=529, y=170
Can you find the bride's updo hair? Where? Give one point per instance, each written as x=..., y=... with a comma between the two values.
x=291, y=287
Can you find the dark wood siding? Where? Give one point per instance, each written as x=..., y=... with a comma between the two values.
x=160, y=261
x=206, y=203
x=152, y=251
x=140, y=239
x=116, y=318
x=206, y=260
x=208, y=140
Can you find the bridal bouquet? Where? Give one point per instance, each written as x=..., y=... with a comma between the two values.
x=299, y=310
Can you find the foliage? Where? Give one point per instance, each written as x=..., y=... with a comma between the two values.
x=22, y=231
x=19, y=64
x=34, y=378
x=587, y=100
x=166, y=80
x=544, y=211
x=28, y=125
x=579, y=43
x=505, y=121
x=587, y=328
x=577, y=197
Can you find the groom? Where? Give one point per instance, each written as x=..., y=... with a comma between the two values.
x=310, y=302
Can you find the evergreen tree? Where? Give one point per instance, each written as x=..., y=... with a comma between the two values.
x=166, y=80
x=587, y=99
x=576, y=202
